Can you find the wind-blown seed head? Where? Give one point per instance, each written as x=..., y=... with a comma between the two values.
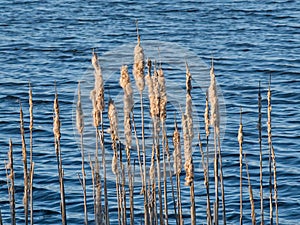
x=177, y=151
x=163, y=94
x=138, y=66
x=187, y=152
x=79, y=113
x=97, y=94
x=56, y=121
x=114, y=164
x=213, y=98
x=206, y=116
x=113, y=120
x=128, y=103
x=240, y=134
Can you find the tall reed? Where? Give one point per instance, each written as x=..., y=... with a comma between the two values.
x=80, y=128
x=24, y=155
x=128, y=105
x=259, y=126
x=177, y=169
x=30, y=157
x=206, y=168
x=188, y=134
x=10, y=175
x=240, y=140
x=272, y=160
x=57, y=136
x=97, y=97
x=253, y=217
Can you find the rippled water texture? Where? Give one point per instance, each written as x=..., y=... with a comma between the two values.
x=47, y=41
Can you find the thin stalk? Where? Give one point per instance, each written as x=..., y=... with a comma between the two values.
x=250, y=194
x=24, y=155
x=30, y=157
x=240, y=140
x=206, y=182
x=270, y=152
x=165, y=173
x=11, y=183
x=57, y=136
x=260, y=156
x=222, y=181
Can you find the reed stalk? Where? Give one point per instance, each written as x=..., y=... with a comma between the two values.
x=80, y=128
x=24, y=156
x=177, y=169
x=253, y=217
x=214, y=121
x=259, y=124
x=30, y=157
x=188, y=140
x=57, y=136
x=10, y=175
x=138, y=73
x=128, y=105
x=163, y=114
x=206, y=169
x=97, y=97
x=272, y=161
x=240, y=140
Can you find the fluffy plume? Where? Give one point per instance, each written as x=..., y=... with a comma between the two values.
x=56, y=121
x=97, y=94
x=163, y=94
x=206, y=116
x=128, y=103
x=213, y=98
x=79, y=112
x=177, y=151
x=138, y=66
x=113, y=121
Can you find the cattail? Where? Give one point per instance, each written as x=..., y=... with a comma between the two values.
x=97, y=94
x=214, y=105
x=206, y=116
x=163, y=94
x=138, y=66
x=79, y=113
x=24, y=155
x=114, y=164
x=113, y=120
x=177, y=151
x=56, y=121
x=128, y=103
x=11, y=183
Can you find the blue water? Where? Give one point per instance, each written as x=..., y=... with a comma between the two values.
x=47, y=41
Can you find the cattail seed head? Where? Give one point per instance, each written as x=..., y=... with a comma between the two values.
x=163, y=94
x=138, y=66
x=56, y=121
x=79, y=113
x=177, y=151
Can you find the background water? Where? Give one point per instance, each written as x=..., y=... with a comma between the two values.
x=47, y=41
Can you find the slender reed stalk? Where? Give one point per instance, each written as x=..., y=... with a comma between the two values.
x=206, y=169
x=113, y=120
x=188, y=140
x=128, y=105
x=57, y=136
x=138, y=73
x=270, y=152
x=214, y=121
x=80, y=128
x=240, y=140
x=250, y=194
x=97, y=97
x=24, y=155
x=259, y=126
x=11, y=183
x=163, y=114
x=30, y=157
x=272, y=161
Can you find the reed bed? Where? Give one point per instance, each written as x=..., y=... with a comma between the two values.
x=159, y=189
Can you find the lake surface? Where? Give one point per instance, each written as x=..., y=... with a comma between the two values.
x=47, y=41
